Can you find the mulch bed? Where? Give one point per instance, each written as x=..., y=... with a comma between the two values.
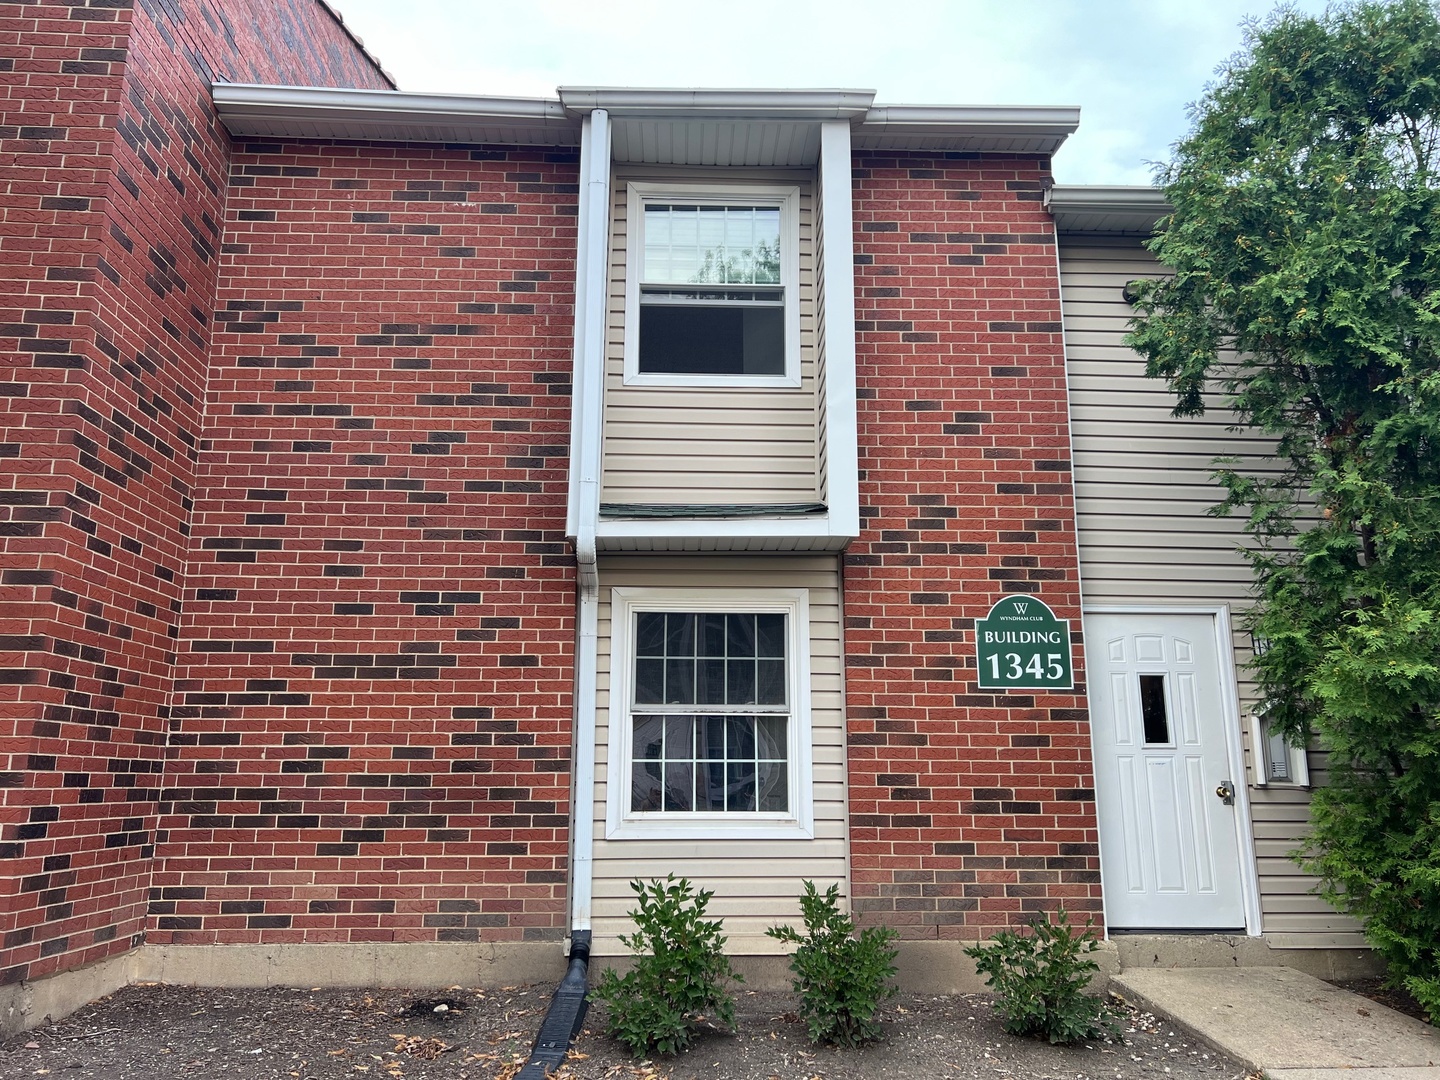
x=1389, y=996
x=150, y=1032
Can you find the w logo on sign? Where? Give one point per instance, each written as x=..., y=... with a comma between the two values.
x=1020, y=608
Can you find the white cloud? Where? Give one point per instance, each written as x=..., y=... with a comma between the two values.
x=1132, y=65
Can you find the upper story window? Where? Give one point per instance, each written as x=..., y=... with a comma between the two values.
x=712, y=296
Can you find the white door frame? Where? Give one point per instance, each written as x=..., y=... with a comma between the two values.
x=1234, y=737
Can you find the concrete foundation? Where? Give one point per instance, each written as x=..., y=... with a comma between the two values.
x=926, y=967
x=27, y=1005
x=1140, y=951
x=419, y=965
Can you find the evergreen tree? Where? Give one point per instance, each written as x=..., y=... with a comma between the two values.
x=1305, y=244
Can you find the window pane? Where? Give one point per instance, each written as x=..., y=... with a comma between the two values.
x=680, y=635
x=771, y=781
x=710, y=688
x=711, y=244
x=712, y=635
x=740, y=786
x=649, y=634
x=647, y=766
x=740, y=632
x=645, y=786
x=649, y=682
x=676, y=339
x=648, y=738
x=770, y=631
x=770, y=682
x=740, y=737
x=679, y=786
x=679, y=737
x=770, y=737
x=710, y=786
x=679, y=681
x=1152, y=709
x=740, y=682
x=712, y=739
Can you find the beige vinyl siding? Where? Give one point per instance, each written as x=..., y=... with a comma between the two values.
x=756, y=882
x=1142, y=488
x=666, y=444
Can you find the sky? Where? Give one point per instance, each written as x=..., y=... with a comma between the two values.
x=1133, y=66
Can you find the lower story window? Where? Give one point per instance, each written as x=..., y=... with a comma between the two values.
x=714, y=693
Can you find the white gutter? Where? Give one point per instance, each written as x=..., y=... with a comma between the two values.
x=976, y=119
x=1060, y=120
x=634, y=102
x=1122, y=210
x=318, y=112
x=1111, y=198
x=304, y=112
x=233, y=97
x=584, y=499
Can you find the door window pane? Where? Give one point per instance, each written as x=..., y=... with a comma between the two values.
x=1152, y=709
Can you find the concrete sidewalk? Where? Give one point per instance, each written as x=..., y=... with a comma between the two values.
x=1291, y=1025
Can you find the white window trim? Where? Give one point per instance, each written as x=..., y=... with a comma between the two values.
x=787, y=199
x=621, y=823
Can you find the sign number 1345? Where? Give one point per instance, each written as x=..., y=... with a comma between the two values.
x=1015, y=667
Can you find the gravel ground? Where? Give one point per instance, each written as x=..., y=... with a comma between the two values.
x=157, y=1032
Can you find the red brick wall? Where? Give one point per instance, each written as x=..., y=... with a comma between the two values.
x=62, y=84
x=112, y=237
x=372, y=719
x=968, y=809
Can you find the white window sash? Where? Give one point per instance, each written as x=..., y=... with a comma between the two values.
x=785, y=197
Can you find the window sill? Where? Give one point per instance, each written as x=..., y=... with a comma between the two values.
x=711, y=827
x=716, y=382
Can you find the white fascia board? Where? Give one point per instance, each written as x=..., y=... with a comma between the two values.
x=635, y=102
x=1107, y=198
x=975, y=126
x=1098, y=208
x=1057, y=119
x=254, y=109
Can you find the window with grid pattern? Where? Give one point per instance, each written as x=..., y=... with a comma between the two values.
x=713, y=288
x=710, y=713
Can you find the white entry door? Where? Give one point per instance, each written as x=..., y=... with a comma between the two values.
x=1169, y=856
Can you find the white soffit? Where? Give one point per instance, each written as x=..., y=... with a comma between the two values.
x=773, y=143
x=772, y=128
x=294, y=112
x=1106, y=210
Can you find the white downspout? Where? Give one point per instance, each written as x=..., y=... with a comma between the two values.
x=585, y=445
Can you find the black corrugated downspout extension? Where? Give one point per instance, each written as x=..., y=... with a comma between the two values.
x=567, y=1012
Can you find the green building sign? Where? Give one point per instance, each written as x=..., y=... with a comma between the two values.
x=1021, y=645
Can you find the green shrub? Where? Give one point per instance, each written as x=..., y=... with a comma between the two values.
x=1040, y=980
x=841, y=979
x=679, y=975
